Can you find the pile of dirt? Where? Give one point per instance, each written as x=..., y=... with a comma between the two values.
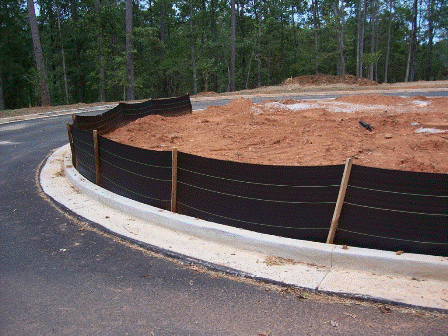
x=306, y=133
x=206, y=94
x=321, y=79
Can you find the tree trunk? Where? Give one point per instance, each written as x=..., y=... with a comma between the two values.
x=406, y=79
x=39, y=58
x=412, y=46
x=282, y=42
x=162, y=27
x=361, y=46
x=269, y=58
x=372, y=42
x=193, y=57
x=340, y=19
x=296, y=46
x=64, y=71
x=358, y=38
x=316, y=22
x=430, y=39
x=129, y=55
x=213, y=25
x=232, y=46
x=2, y=99
x=258, y=15
x=386, y=67
x=79, y=79
x=204, y=24
x=102, y=77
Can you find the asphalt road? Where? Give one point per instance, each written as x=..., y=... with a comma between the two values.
x=60, y=277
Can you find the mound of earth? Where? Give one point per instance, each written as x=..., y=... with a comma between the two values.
x=307, y=133
x=206, y=94
x=321, y=79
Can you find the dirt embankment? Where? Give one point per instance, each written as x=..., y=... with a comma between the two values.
x=306, y=133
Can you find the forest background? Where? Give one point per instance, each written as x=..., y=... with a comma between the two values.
x=55, y=52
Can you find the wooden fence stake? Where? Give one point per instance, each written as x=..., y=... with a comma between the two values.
x=97, y=157
x=174, y=180
x=340, y=201
x=72, y=147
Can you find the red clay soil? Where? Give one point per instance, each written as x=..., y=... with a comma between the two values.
x=306, y=133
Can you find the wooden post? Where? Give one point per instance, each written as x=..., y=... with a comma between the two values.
x=97, y=157
x=340, y=201
x=73, y=117
x=72, y=147
x=174, y=180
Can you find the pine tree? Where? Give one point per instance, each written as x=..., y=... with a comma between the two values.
x=129, y=55
x=232, y=46
x=2, y=100
x=39, y=58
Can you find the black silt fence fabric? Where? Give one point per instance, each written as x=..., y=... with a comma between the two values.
x=172, y=106
x=139, y=174
x=102, y=122
x=294, y=202
x=124, y=113
x=84, y=153
x=395, y=210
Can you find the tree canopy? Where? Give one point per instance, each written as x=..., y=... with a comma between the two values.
x=90, y=48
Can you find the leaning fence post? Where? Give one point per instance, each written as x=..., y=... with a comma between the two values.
x=340, y=201
x=97, y=157
x=174, y=180
x=72, y=147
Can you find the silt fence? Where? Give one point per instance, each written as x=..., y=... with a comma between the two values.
x=345, y=204
x=124, y=113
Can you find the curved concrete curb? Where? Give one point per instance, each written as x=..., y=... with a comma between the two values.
x=406, y=264
x=360, y=272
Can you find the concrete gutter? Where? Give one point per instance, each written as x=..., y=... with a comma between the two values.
x=409, y=279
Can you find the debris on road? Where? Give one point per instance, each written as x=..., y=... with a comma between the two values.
x=365, y=125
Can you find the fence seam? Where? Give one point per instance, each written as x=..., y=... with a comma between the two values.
x=253, y=223
x=85, y=166
x=134, y=192
x=83, y=151
x=257, y=183
x=85, y=143
x=133, y=173
x=251, y=198
x=397, y=192
x=382, y=237
x=394, y=210
x=141, y=163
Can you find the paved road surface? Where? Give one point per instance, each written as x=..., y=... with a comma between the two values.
x=59, y=277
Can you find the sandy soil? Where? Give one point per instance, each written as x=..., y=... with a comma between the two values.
x=307, y=133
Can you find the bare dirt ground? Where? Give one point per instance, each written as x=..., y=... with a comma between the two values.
x=311, y=132
x=407, y=133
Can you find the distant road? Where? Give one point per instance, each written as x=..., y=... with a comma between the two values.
x=204, y=102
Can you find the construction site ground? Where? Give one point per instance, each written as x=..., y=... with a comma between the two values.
x=404, y=134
